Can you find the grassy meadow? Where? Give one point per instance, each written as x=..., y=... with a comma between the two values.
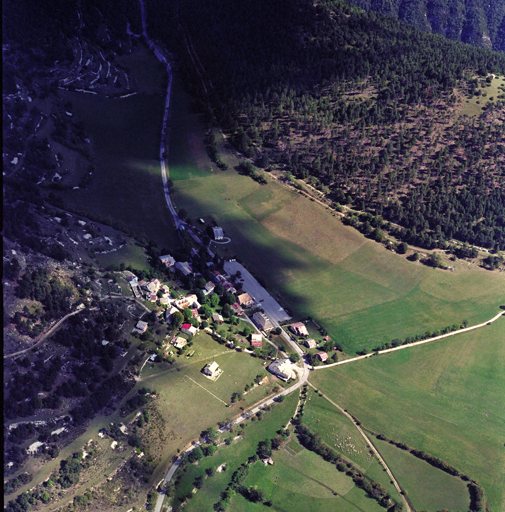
x=301, y=482
x=233, y=456
x=188, y=402
x=338, y=432
x=445, y=398
x=428, y=488
x=474, y=106
x=361, y=293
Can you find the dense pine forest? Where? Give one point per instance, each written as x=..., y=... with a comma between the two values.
x=363, y=107
x=477, y=22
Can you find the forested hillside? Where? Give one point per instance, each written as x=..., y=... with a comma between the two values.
x=477, y=22
x=363, y=107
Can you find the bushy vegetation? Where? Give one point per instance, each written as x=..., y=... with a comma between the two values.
x=353, y=103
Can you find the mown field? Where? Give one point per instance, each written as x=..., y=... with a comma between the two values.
x=429, y=489
x=361, y=293
x=306, y=482
x=445, y=398
x=188, y=402
x=301, y=482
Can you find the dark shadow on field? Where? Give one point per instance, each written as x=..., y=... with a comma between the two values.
x=126, y=188
x=268, y=263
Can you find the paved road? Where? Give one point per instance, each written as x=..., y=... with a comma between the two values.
x=422, y=342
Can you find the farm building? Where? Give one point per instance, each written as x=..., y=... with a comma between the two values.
x=211, y=369
x=131, y=277
x=262, y=321
x=183, y=303
x=167, y=260
x=34, y=448
x=256, y=339
x=245, y=300
x=299, y=329
x=282, y=368
x=310, y=343
x=152, y=286
x=218, y=233
x=216, y=317
x=237, y=309
x=323, y=356
x=188, y=329
x=141, y=327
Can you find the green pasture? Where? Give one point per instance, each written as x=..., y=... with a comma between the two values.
x=338, y=432
x=305, y=482
x=362, y=294
x=233, y=456
x=131, y=254
x=189, y=402
x=429, y=488
x=149, y=74
x=445, y=398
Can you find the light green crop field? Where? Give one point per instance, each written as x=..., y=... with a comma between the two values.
x=305, y=482
x=445, y=398
x=361, y=293
x=130, y=254
x=429, y=488
x=233, y=456
x=338, y=432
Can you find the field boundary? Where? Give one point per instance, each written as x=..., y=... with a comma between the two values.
x=422, y=342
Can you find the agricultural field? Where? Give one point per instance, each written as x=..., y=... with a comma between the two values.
x=428, y=488
x=445, y=398
x=233, y=456
x=183, y=383
x=130, y=254
x=306, y=482
x=187, y=158
x=301, y=482
x=361, y=293
x=338, y=432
